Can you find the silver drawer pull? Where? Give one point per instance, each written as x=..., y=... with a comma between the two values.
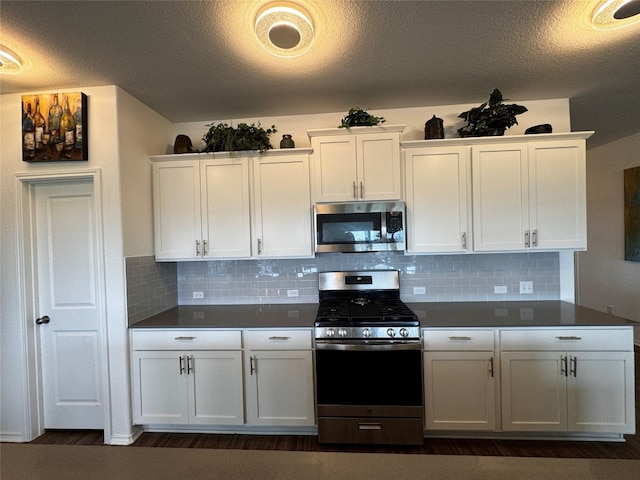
x=281, y=339
x=562, y=338
x=369, y=426
x=459, y=339
x=184, y=338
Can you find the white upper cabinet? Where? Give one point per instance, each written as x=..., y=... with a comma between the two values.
x=177, y=210
x=530, y=194
x=209, y=206
x=438, y=196
x=357, y=164
x=282, y=206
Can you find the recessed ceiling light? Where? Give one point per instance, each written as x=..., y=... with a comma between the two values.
x=284, y=30
x=616, y=13
x=9, y=61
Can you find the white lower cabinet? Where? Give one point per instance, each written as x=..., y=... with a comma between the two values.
x=176, y=386
x=568, y=380
x=279, y=378
x=459, y=380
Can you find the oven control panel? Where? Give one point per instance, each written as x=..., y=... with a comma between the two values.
x=364, y=333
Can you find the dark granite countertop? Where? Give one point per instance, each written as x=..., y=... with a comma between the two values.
x=291, y=315
x=431, y=314
x=512, y=314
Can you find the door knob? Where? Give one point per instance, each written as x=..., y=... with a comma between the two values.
x=42, y=320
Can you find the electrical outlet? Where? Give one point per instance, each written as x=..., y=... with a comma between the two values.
x=419, y=290
x=292, y=293
x=500, y=289
x=526, y=287
x=198, y=294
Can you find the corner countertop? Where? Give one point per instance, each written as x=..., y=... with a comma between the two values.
x=430, y=314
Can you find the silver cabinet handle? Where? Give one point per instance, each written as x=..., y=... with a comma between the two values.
x=259, y=246
x=252, y=367
x=534, y=238
x=568, y=338
x=573, y=366
x=181, y=364
x=526, y=239
x=190, y=364
x=355, y=193
x=563, y=366
x=361, y=190
x=491, y=366
x=182, y=339
x=197, y=248
x=459, y=339
x=464, y=240
x=280, y=339
x=205, y=250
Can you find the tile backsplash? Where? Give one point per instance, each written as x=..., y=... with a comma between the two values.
x=151, y=287
x=442, y=278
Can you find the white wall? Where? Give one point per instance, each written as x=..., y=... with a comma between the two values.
x=604, y=278
x=117, y=154
x=555, y=112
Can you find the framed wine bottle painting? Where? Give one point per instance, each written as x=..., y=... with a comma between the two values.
x=632, y=214
x=54, y=127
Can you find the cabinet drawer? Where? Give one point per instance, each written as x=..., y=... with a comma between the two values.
x=186, y=340
x=467, y=339
x=610, y=339
x=278, y=339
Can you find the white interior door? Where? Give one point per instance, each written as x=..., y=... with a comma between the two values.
x=69, y=295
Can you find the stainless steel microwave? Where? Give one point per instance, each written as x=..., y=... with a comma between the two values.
x=359, y=227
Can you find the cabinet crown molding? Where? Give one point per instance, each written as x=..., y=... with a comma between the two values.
x=239, y=154
x=449, y=142
x=356, y=130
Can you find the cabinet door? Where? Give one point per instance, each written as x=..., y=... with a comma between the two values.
x=226, y=208
x=215, y=387
x=279, y=388
x=176, y=210
x=557, y=194
x=378, y=160
x=282, y=206
x=459, y=391
x=437, y=197
x=334, y=167
x=500, y=197
x=600, y=392
x=160, y=387
x=534, y=390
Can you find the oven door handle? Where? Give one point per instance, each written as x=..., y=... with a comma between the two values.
x=369, y=346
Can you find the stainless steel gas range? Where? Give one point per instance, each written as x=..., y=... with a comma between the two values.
x=368, y=361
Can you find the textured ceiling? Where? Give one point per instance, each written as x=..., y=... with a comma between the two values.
x=198, y=60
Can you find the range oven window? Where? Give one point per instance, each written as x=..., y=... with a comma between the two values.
x=349, y=228
x=382, y=377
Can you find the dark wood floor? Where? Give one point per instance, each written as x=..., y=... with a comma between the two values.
x=438, y=446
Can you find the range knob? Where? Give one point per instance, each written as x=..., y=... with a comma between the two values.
x=331, y=332
x=391, y=332
x=404, y=332
x=342, y=332
x=366, y=332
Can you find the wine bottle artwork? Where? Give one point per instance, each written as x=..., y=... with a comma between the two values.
x=54, y=127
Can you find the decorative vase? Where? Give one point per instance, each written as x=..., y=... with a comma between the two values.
x=287, y=141
x=434, y=128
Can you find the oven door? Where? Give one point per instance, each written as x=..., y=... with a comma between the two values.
x=369, y=375
x=369, y=393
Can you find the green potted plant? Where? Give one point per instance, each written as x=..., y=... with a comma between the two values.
x=357, y=117
x=491, y=118
x=224, y=138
